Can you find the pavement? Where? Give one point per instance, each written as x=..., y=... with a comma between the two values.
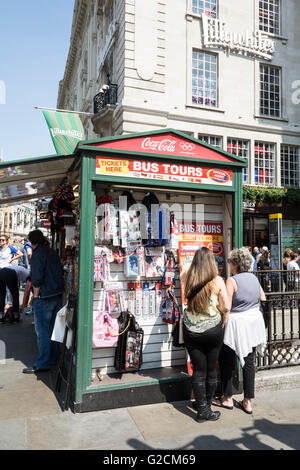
x=31, y=417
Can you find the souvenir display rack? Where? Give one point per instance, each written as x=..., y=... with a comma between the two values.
x=145, y=279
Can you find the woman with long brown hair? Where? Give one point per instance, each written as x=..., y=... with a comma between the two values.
x=203, y=321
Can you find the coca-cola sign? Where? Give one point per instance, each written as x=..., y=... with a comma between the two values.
x=168, y=146
x=165, y=144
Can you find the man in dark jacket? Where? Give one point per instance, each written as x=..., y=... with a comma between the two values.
x=48, y=287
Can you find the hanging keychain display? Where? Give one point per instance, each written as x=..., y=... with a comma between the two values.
x=154, y=261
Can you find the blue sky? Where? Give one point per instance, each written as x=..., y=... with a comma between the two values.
x=34, y=44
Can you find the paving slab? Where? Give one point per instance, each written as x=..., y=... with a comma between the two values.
x=13, y=434
x=166, y=419
x=31, y=418
x=27, y=403
x=285, y=404
x=262, y=436
x=81, y=431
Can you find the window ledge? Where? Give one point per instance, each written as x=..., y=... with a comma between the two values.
x=275, y=36
x=190, y=15
x=272, y=118
x=207, y=108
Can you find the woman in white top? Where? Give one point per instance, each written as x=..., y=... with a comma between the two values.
x=245, y=329
x=292, y=264
x=8, y=253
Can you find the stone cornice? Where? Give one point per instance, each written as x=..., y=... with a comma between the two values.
x=79, y=16
x=205, y=120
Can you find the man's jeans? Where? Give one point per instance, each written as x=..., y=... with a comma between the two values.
x=45, y=311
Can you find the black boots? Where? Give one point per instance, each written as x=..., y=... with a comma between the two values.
x=211, y=386
x=204, y=393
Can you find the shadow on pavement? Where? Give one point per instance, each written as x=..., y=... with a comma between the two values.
x=20, y=345
x=263, y=435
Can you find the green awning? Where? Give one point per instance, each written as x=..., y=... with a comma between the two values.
x=35, y=178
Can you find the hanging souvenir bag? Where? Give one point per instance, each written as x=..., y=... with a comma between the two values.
x=101, y=267
x=169, y=307
x=170, y=270
x=129, y=352
x=105, y=331
x=134, y=349
x=106, y=326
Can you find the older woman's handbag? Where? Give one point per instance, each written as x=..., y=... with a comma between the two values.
x=265, y=311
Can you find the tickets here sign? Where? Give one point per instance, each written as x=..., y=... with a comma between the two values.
x=162, y=171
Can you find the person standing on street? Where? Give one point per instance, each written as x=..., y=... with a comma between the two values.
x=27, y=250
x=255, y=252
x=245, y=329
x=203, y=321
x=8, y=253
x=48, y=286
x=8, y=279
x=293, y=273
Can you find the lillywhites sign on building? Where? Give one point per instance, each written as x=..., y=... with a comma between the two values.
x=248, y=43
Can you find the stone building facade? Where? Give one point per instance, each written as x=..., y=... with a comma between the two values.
x=17, y=220
x=224, y=71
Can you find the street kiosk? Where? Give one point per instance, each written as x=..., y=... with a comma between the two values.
x=129, y=253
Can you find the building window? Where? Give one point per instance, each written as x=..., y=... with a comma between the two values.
x=270, y=91
x=212, y=140
x=264, y=163
x=204, y=79
x=290, y=166
x=240, y=148
x=208, y=7
x=269, y=16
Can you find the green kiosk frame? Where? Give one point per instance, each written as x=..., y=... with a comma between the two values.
x=159, y=146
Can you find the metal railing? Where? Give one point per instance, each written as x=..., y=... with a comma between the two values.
x=283, y=334
x=279, y=280
x=108, y=95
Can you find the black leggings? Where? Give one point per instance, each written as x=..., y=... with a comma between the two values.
x=9, y=278
x=227, y=364
x=203, y=349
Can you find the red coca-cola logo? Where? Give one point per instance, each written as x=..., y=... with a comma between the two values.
x=165, y=145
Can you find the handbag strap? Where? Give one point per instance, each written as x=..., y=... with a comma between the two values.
x=122, y=332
